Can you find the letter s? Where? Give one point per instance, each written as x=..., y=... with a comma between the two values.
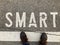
x=6, y=24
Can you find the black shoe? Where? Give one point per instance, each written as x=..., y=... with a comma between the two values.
x=43, y=36
x=43, y=39
x=24, y=38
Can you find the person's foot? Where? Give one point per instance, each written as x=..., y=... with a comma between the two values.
x=24, y=38
x=43, y=36
x=43, y=39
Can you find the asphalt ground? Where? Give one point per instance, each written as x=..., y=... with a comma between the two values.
x=31, y=43
x=29, y=6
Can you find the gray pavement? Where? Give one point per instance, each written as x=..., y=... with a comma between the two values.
x=29, y=6
x=31, y=43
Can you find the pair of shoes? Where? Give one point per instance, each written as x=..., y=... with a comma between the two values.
x=24, y=39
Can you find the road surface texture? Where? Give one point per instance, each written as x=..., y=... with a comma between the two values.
x=31, y=43
x=28, y=6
